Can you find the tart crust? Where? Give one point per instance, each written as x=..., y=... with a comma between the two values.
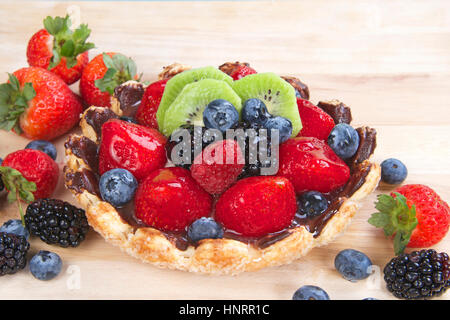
x=214, y=256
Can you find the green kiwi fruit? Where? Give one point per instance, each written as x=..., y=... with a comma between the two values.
x=177, y=83
x=277, y=94
x=188, y=106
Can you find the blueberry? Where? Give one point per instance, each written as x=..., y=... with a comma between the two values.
x=204, y=228
x=344, y=140
x=45, y=265
x=118, y=186
x=220, y=114
x=352, y=264
x=128, y=119
x=15, y=227
x=370, y=299
x=44, y=146
x=393, y=171
x=1, y=161
x=255, y=111
x=283, y=125
x=310, y=293
x=312, y=204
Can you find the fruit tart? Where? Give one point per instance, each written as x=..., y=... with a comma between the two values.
x=219, y=170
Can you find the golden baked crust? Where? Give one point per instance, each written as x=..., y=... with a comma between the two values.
x=215, y=256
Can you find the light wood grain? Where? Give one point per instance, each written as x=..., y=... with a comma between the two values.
x=388, y=60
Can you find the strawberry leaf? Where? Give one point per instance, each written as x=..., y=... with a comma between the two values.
x=394, y=216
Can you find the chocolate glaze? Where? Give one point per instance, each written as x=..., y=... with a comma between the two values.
x=88, y=180
x=129, y=96
x=230, y=67
x=340, y=112
x=85, y=149
x=302, y=88
x=97, y=117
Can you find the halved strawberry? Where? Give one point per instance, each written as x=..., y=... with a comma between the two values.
x=256, y=206
x=310, y=164
x=241, y=72
x=146, y=113
x=136, y=148
x=170, y=200
x=218, y=166
x=316, y=122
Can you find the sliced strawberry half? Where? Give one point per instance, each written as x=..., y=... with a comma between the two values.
x=146, y=113
x=316, y=122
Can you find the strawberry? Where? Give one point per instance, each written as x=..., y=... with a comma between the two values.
x=316, y=122
x=146, y=113
x=37, y=167
x=242, y=71
x=59, y=49
x=130, y=146
x=38, y=104
x=256, y=206
x=105, y=72
x=170, y=200
x=414, y=214
x=310, y=164
x=218, y=166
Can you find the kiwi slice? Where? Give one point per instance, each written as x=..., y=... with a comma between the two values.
x=177, y=83
x=189, y=104
x=277, y=94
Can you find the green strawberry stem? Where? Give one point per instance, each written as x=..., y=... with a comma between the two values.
x=67, y=43
x=19, y=188
x=396, y=218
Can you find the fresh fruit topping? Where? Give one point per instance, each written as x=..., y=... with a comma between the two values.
x=129, y=146
x=13, y=253
x=189, y=105
x=60, y=49
x=128, y=119
x=316, y=122
x=218, y=166
x=415, y=214
x=146, y=113
x=344, y=140
x=170, y=200
x=103, y=73
x=310, y=293
x=38, y=104
x=255, y=112
x=16, y=227
x=418, y=275
x=221, y=115
x=393, y=171
x=118, y=186
x=370, y=299
x=312, y=204
x=353, y=265
x=310, y=164
x=176, y=84
x=230, y=67
x=276, y=93
x=282, y=125
x=44, y=146
x=35, y=167
x=301, y=89
x=204, y=228
x=56, y=222
x=241, y=72
x=45, y=265
x=257, y=206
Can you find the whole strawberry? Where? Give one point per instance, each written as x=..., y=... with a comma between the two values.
x=38, y=104
x=130, y=146
x=59, y=49
x=310, y=164
x=218, y=166
x=241, y=72
x=104, y=73
x=37, y=167
x=170, y=200
x=316, y=122
x=414, y=214
x=256, y=206
x=146, y=113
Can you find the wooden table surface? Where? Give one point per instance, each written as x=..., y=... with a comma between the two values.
x=388, y=60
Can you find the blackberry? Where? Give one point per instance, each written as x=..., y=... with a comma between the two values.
x=418, y=275
x=13, y=253
x=56, y=222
